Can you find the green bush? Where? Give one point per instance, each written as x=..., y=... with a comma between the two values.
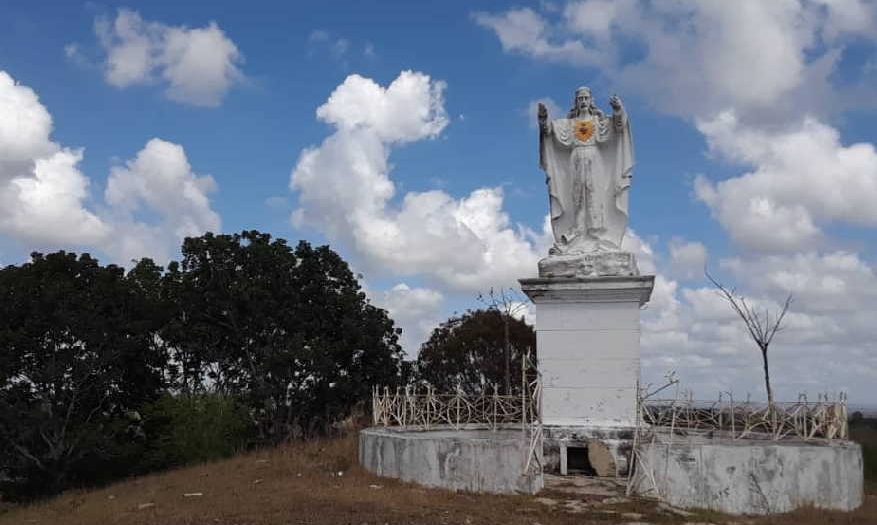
x=194, y=428
x=864, y=432
x=869, y=454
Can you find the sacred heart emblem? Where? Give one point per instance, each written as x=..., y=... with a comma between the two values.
x=584, y=129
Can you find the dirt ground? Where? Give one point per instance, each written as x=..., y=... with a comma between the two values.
x=320, y=483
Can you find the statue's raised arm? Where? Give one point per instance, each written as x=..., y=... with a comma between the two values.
x=542, y=118
x=619, y=117
x=588, y=164
x=544, y=132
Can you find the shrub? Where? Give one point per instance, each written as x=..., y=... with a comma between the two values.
x=194, y=428
x=864, y=432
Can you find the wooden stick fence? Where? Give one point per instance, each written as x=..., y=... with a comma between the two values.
x=670, y=421
x=802, y=419
x=424, y=409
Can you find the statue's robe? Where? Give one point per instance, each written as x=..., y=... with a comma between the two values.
x=588, y=162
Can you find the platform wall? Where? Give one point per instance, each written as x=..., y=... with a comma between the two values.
x=750, y=476
x=470, y=460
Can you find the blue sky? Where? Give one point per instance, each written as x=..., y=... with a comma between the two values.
x=753, y=125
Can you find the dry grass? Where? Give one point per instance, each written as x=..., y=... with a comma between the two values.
x=300, y=484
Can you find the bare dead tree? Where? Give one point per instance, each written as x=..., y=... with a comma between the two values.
x=762, y=325
x=509, y=302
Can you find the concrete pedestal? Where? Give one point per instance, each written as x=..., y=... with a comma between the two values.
x=587, y=340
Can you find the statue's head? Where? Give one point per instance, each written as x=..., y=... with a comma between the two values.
x=583, y=103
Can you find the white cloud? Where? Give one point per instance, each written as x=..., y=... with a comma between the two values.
x=802, y=176
x=687, y=258
x=336, y=47
x=159, y=179
x=416, y=310
x=762, y=42
x=525, y=31
x=42, y=191
x=344, y=189
x=24, y=128
x=198, y=65
x=128, y=42
x=824, y=282
x=847, y=17
x=827, y=343
x=411, y=108
x=764, y=59
x=46, y=205
x=150, y=203
x=597, y=19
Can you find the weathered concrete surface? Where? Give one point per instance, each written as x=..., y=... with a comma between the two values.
x=618, y=441
x=751, y=476
x=587, y=336
x=471, y=460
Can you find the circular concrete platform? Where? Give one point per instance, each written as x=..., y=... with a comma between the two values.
x=750, y=476
x=477, y=460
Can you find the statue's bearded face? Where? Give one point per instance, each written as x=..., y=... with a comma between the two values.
x=583, y=102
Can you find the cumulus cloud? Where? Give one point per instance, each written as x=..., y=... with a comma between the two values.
x=42, y=191
x=827, y=333
x=687, y=258
x=197, y=65
x=765, y=59
x=692, y=330
x=47, y=204
x=828, y=282
x=159, y=179
x=345, y=190
x=45, y=200
x=24, y=128
x=416, y=310
x=847, y=17
x=527, y=32
x=411, y=108
x=802, y=176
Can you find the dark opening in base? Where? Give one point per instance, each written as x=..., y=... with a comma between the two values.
x=577, y=461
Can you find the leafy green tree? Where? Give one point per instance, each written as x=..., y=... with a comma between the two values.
x=469, y=351
x=287, y=329
x=78, y=357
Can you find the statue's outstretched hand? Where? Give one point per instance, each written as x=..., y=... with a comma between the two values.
x=615, y=102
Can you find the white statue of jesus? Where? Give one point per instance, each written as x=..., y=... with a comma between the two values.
x=588, y=160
